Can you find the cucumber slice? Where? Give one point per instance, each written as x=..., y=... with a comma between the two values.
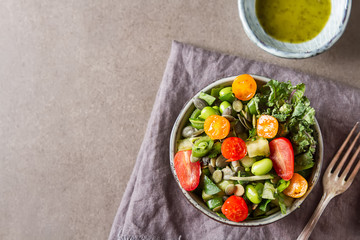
x=197, y=123
x=214, y=203
x=258, y=147
x=224, y=183
x=247, y=161
x=184, y=144
x=207, y=98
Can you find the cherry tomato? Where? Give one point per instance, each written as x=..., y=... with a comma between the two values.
x=298, y=186
x=282, y=156
x=244, y=87
x=233, y=148
x=216, y=127
x=235, y=209
x=187, y=172
x=267, y=126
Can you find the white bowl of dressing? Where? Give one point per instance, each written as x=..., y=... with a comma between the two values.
x=332, y=31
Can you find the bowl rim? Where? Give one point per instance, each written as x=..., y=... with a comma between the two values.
x=293, y=55
x=252, y=223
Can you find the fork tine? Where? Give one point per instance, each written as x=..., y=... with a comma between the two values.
x=347, y=169
x=337, y=155
x=356, y=169
x=345, y=157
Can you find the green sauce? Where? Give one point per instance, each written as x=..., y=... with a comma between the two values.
x=293, y=21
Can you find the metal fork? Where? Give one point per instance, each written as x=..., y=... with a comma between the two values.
x=335, y=184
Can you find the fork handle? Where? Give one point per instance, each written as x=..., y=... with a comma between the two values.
x=305, y=234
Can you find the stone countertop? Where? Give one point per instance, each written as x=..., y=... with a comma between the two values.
x=78, y=80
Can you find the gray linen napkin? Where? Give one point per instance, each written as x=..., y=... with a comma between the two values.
x=153, y=206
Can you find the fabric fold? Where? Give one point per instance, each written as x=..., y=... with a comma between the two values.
x=153, y=206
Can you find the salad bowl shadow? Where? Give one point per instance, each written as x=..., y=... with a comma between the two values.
x=196, y=200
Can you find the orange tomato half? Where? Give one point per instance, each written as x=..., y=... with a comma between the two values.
x=298, y=186
x=216, y=127
x=244, y=87
x=267, y=126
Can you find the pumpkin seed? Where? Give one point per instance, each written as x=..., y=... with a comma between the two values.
x=239, y=128
x=229, y=117
x=227, y=111
x=227, y=171
x=199, y=103
x=237, y=105
x=206, y=160
x=211, y=169
x=213, y=162
x=217, y=176
x=221, y=161
x=188, y=131
x=239, y=191
x=244, y=122
x=230, y=189
x=246, y=114
x=254, y=121
x=197, y=133
x=235, y=165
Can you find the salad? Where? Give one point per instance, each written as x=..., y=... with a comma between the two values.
x=247, y=150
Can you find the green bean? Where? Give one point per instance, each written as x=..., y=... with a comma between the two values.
x=207, y=112
x=262, y=167
x=252, y=194
x=226, y=94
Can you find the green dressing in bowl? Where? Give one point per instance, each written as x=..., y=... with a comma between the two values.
x=293, y=21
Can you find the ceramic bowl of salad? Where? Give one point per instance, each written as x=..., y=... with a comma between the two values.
x=247, y=150
x=294, y=28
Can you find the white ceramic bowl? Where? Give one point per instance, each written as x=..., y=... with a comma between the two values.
x=334, y=28
x=197, y=202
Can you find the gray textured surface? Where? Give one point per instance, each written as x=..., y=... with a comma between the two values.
x=78, y=81
x=153, y=206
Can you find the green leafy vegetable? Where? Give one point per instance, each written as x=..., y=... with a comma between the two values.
x=216, y=150
x=269, y=191
x=282, y=185
x=282, y=205
x=264, y=205
x=209, y=187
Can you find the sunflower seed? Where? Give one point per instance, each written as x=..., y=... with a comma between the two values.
x=239, y=191
x=221, y=161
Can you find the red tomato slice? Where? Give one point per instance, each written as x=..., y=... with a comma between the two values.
x=282, y=156
x=187, y=172
x=233, y=148
x=235, y=209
